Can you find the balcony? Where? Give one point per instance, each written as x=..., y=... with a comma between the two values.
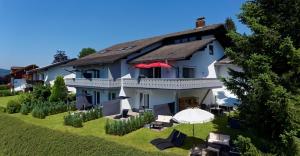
x=150, y=83
x=172, y=83
x=92, y=83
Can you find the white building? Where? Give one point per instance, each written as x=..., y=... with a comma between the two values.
x=49, y=73
x=194, y=72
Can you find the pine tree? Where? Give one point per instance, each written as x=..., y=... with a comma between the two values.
x=229, y=24
x=269, y=85
x=59, y=90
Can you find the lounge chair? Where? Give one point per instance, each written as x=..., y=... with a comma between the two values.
x=176, y=139
x=221, y=139
x=123, y=115
x=163, y=114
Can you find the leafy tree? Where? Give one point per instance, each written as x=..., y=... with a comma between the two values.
x=269, y=85
x=60, y=56
x=229, y=24
x=86, y=51
x=59, y=90
x=41, y=92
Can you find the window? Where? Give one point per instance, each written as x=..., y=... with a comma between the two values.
x=144, y=100
x=157, y=72
x=87, y=75
x=96, y=98
x=192, y=38
x=211, y=49
x=97, y=73
x=177, y=41
x=111, y=95
x=188, y=72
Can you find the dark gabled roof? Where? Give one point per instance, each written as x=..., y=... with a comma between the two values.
x=122, y=50
x=15, y=69
x=53, y=65
x=174, y=51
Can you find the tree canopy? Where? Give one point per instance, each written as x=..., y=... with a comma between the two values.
x=229, y=24
x=59, y=90
x=269, y=85
x=60, y=56
x=86, y=51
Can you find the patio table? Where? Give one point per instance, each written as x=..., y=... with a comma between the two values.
x=156, y=125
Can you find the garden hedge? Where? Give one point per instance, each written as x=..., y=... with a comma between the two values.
x=122, y=127
x=20, y=138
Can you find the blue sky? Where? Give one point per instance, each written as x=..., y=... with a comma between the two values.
x=32, y=30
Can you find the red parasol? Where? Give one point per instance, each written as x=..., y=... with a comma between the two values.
x=153, y=65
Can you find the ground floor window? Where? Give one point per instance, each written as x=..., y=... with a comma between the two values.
x=111, y=95
x=144, y=100
x=96, y=97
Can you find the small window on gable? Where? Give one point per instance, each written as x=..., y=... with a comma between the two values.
x=177, y=41
x=192, y=38
x=211, y=49
x=188, y=72
x=184, y=40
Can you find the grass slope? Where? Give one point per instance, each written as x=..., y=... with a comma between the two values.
x=20, y=138
x=4, y=100
x=138, y=139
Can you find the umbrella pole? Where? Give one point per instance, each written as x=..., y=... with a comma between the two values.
x=193, y=130
x=193, y=136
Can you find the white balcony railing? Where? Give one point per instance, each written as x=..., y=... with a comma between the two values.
x=92, y=83
x=172, y=83
x=155, y=83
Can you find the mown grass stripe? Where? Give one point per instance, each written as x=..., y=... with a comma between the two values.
x=20, y=138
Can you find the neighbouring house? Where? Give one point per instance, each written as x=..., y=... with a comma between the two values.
x=21, y=79
x=181, y=69
x=48, y=74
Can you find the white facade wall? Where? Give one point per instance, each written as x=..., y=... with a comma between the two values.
x=50, y=75
x=203, y=62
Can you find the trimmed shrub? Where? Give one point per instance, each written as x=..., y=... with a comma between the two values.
x=13, y=106
x=245, y=146
x=39, y=112
x=2, y=109
x=59, y=90
x=73, y=119
x=25, y=109
x=122, y=127
x=26, y=98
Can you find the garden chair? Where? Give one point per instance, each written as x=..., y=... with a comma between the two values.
x=176, y=139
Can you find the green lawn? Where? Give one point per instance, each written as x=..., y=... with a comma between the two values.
x=21, y=138
x=138, y=139
x=4, y=100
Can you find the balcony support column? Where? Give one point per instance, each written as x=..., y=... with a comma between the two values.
x=176, y=102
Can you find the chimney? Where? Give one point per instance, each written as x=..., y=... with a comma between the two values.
x=200, y=22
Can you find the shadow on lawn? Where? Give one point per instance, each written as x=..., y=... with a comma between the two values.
x=191, y=141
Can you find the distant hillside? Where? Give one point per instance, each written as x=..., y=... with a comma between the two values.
x=4, y=72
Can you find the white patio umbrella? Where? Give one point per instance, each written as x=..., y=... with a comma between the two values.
x=193, y=116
